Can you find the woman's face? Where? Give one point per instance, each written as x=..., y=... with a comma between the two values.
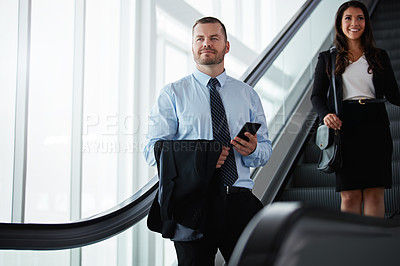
x=353, y=23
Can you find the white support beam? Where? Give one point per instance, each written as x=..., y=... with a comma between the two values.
x=21, y=112
x=144, y=94
x=77, y=122
x=126, y=118
x=77, y=110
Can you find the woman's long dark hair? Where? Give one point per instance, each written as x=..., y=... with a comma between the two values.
x=367, y=40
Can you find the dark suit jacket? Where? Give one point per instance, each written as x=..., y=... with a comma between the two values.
x=384, y=81
x=190, y=188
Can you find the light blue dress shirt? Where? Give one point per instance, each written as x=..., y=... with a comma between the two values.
x=182, y=112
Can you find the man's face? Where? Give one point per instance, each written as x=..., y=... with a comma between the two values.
x=208, y=45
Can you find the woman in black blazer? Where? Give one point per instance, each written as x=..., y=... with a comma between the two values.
x=364, y=79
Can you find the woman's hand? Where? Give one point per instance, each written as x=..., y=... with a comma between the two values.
x=332, y=121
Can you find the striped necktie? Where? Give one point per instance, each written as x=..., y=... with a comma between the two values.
x=221, y=132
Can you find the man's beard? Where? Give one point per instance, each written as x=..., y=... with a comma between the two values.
x=210, y=60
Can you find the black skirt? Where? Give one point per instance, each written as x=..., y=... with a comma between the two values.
x=366, y=147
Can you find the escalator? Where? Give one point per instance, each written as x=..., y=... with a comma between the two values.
x=84, y=232
x=303, y=224
x=311, y=186
x=289, y=176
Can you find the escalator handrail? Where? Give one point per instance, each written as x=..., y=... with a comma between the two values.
x=87, y=231
x=265, y=236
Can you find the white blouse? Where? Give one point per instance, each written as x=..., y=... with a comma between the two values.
x=357, y=82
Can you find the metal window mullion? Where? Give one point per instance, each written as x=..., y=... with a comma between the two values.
x=239, y=19
x=257, y=23
x=21, y=112
x=125, y=98
x=77, y=121
x=145, y=64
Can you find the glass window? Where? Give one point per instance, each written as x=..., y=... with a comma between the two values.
x=229, y=16
x=49, y=113
x=249, y=24
x=102, y=253
x=205, y=7
x=8, y=66
x=27, y=257
x=100, y=116
x=176, y=61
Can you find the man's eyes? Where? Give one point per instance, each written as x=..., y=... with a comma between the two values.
x=212, y=38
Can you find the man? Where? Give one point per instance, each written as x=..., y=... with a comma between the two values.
x=185, y=110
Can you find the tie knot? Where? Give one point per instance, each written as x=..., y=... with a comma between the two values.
x=213, y=83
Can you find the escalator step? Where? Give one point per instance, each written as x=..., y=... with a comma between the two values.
x=396, y=172
x=392, y=200
x=322, y=197
x=393, y=112
x=395, y=62
x=395, y=129
x=386, y=8
x=397, y=75
x=396, y=150
x=382, y=25
x=307, y=175
x=312, y=152
x=390, y=47
x=387, y=34
x=329, y=198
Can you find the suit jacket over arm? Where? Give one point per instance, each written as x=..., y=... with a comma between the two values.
x=189, y=187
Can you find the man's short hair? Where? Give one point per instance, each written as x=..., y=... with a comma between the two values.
x=206, y=20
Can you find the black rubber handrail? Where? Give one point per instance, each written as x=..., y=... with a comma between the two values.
x=293, y=226
x=83, y=232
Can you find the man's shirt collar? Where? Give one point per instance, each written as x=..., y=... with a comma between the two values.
x=204, y=78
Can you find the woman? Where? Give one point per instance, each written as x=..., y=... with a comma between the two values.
x=364, y=78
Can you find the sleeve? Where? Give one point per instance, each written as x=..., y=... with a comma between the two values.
x=263, y=151
x=320, y=88
x=389, y=87
x=162, y=125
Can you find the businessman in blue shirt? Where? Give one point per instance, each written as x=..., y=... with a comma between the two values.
x=182, y=112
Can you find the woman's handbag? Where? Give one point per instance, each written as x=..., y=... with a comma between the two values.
x=330, y=158
x=328, y=140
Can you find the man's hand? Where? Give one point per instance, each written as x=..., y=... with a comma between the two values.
x=245, y=147
x=222, y=157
